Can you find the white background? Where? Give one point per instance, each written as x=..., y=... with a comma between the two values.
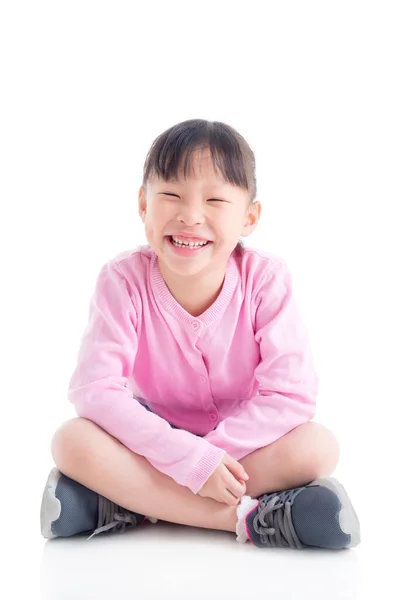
x=314, y=88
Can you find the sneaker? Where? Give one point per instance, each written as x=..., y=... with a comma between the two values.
x=319, y=514
x=69, y=508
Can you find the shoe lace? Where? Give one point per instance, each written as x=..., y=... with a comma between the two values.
x=273, y=522
x=112, y=517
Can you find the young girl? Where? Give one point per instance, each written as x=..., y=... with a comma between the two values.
x=195, y=385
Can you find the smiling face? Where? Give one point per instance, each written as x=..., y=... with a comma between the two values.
x=201, y=206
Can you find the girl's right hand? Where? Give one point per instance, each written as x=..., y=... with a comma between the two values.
x=226, y=484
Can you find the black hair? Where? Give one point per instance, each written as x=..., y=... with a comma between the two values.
x=230, y=152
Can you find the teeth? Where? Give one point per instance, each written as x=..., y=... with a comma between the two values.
x=190, y=244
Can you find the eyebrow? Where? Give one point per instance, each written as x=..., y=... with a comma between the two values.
x=218, y=186
x=175, y=180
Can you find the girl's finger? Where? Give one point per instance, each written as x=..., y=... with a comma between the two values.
x=236, y=469
x=235, y=487
x=230, y=499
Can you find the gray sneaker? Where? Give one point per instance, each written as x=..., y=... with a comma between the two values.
x=69, y=508
x=319, y=514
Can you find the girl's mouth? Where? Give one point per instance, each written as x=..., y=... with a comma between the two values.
x=186, y=250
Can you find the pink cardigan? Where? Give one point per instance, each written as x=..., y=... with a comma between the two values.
x=241, y=374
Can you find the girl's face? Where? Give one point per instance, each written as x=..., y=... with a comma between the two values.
x=202, y=206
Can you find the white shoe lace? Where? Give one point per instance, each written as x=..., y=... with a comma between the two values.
x=273, y=522
x=113, y=517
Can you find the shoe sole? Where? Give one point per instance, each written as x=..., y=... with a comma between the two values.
x=50, y=508
x=348, y=519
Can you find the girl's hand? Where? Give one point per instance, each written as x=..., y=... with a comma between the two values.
x=226, y=484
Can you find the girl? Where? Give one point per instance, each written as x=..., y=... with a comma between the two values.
x=195, y=385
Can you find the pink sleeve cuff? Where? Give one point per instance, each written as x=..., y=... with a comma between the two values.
x=204, y=468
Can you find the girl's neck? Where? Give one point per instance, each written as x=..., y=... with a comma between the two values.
x=195, y=294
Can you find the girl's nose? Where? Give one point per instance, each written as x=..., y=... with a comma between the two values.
x=190, y=215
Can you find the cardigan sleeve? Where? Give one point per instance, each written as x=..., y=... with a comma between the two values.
x=288, y=383
x=98, y=389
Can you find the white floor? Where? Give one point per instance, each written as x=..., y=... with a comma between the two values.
x=165, y=561
x=174, y=562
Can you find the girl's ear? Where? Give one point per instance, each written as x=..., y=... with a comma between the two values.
x=142, y=202
x=252, y=217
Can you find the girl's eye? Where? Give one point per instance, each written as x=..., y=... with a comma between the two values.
x=209, y=200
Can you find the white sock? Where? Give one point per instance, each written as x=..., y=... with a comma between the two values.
x=152, y=519
x=244, y=507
